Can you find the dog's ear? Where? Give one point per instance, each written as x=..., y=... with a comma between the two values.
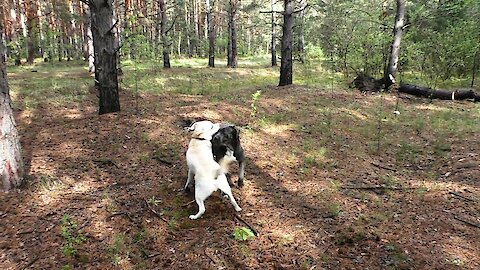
x=192, y=127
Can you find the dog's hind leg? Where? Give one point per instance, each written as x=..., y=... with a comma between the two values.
x=189, y=180
x=225, y=188
x=201, y=209
x=201, y=194
x=241, y=172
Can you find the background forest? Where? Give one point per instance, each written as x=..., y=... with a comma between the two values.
x=441, y=39
x=337, y=177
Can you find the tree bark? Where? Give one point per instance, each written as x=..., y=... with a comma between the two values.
x=11, y=163
x=164, y=34
x=475, y=67
x=30, y=14
x=232, y=35
x=286, y=64
x=89, y=52
x=105, y=49
x=301, y=36
x=392, y=67
x=211, y=34
x=445, y=94
x=15, y=20
x=188, y=22
x=196, y=33
x=274, y=37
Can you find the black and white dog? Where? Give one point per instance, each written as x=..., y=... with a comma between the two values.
x=228, y=138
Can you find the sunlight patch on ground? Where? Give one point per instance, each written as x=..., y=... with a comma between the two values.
x=73, y=114
x=51, y=192
x=82, y=187
x=432, y=107
x=358, y=115
x=434, y=185
x=457, y=251
x=279, y=130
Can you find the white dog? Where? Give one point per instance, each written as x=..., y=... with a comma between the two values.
x=209, y=175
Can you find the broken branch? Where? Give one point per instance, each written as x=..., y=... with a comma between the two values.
x=467, y=222
x=154, y=212
x=383, y=167
x=377, y=187
x=246, y=223
x=461, y=196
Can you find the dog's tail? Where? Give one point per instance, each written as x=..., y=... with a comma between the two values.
x=225, y=162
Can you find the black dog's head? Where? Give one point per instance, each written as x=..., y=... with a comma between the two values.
x=227, y=138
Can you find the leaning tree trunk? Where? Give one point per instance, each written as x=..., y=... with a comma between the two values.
x=286, y=65
x=11, y=162
x=274, y=37
x=232, y=35
x=391, y=72
x=163, y=32
x=105, y=49
x=211, y=35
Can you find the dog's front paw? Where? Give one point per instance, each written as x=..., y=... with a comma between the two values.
x=193, y=217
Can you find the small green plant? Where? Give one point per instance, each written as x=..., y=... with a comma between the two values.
x=407, y=152
x=117, y=251
x=145, y=138
x=72, y=237
x=389, y=180
x=309, y=161
x=255, y=98
x=397, y=259
x=350, y=236
x=153, y=201
x=334, y=209
x=144, y=158
x=243, y=234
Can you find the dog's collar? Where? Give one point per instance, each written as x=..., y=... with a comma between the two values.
x=201, y=139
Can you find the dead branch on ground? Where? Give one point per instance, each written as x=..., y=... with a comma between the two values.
x=246, y=223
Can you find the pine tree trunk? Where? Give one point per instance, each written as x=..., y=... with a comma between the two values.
x=195, y=24
x=105, y=48
x=163, y=32
x=15, y=21
x=232, y=35
x=301, y=37
x=286, y=66
x=90, y=54
x=392, y=66
x=30, y=14
x=11, y=162
x=211, y=35
x=475, y=67
x=274, y=37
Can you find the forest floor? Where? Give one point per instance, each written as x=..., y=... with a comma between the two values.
x=334, y=179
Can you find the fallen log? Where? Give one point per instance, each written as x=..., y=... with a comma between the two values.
x=365, y=83
x=444, y=94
